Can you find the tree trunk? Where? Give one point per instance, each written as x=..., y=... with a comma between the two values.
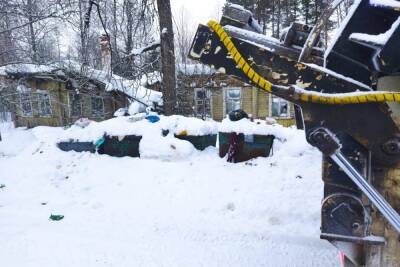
x=81, y=35
x=32, y=36
x=115, y=29
x=167, y=56
x=273, y=18
x=7, y=50
x=278, y=23
x=307, y=11
x=129, y=26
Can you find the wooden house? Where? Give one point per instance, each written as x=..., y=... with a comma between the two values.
x=205, y=93
x=44, y=95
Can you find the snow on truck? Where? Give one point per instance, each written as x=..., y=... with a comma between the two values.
x=347, y=101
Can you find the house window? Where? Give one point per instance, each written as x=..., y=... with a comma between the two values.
x=75, y=105
x=232, y=99
x=97, y=106
x=44, y=104
x=202, y=102
x=279, y=107
x=26, y=104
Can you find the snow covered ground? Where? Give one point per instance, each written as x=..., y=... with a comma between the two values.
x=197, y=211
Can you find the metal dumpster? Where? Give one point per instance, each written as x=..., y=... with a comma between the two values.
x=240, y=147
x=121, y=146
x=77, y=146
x=200, y=142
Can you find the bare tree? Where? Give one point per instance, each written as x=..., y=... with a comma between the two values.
x=185, y=29
x=31, y=27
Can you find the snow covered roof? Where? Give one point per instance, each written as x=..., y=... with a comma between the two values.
x=137, y=125
x=132, y=88
x=26, y=68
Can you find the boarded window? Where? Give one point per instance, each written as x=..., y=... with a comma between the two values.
x=280, y=107
x=97, y=107
x=232, y=99
x=26, y=104
x=202, y=102
x=44, y=104
x=75, y=105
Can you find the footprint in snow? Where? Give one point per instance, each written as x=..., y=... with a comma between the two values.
x=274, y=221
x=230, y=206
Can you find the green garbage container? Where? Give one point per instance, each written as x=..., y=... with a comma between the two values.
x=200, y=142
x=77, y=146
x=120, y=147
x=247, y=146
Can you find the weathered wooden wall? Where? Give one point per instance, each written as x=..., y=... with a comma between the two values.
x=254, y=101
x=60, y=104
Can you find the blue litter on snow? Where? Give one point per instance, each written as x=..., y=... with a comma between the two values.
x=152, y=118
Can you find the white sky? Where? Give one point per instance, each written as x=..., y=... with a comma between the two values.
x=200, y=11
x=194, y=12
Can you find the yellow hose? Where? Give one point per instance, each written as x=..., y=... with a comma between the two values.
x=300, y=94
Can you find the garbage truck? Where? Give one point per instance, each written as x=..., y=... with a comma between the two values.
x=346, y=99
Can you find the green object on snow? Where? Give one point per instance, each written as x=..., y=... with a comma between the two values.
x=117, y=147
x=56, y=217
x=99, y=143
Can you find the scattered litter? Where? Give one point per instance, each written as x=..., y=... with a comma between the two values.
x=54, y=217
x=153, y=118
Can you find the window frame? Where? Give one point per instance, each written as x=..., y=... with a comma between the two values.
x=70, y=105
x=29, y=100
x=227, y=98
x=271, y=102
x=91, y=107
x=40, y=94
x=207, y=98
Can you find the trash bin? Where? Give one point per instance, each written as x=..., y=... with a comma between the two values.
x=121, y=146
x=245, y=147
x=200, y=142
x=77, y=146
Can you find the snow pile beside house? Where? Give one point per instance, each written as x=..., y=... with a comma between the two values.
x=247, y=127
x=14, y=140
x=164, y=147
x=188, y=125
x=119, y=126
x=153, y=143
x=138, y=125
x=199, y=211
